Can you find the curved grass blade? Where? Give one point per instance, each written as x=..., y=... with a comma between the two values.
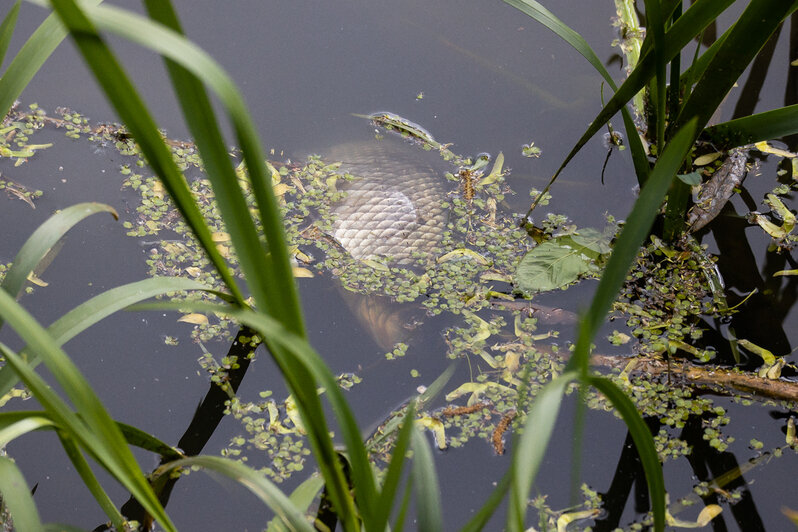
x=30, y=59
x=747, y=130
x=175, y=47
x=254, y=481
x=547, y=18
x=294, y=353
x=644, y=443
x=637, y=226
x=302, y=497
x=203, y=125
x=17, y=497
x=138, y=438
x=7, y=29
x=425, y=482
x=43, y=239
x=95, y=309
x=531, y=447
x=744, y=40
x=28, y=422
x=690, y=24
x=131, y=109
x=393, y=475
x=90, y=481
x=94, y=429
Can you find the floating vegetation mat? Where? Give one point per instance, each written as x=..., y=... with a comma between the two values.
x=484, y=273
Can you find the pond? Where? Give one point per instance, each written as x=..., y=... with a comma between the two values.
x=484, y=78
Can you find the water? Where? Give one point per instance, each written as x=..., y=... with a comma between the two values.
x=492, y=80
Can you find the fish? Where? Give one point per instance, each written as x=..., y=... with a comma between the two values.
x=392, y=207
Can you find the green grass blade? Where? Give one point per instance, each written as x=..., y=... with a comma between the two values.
x=28, y=422
x=7, y=30
x=43, y=239
x=531, y=447
x=95, y=309
x=481, y=518
x=302, y=497
x=30, y=59
x=547, y=18
x=143, y=440
x=637, y=226
x=131, y=109
x=204, y=128
x=425, y=483
x=655, y=27
x=95, y=428
x=254, y=481
x=643, y=441
x=744, y=40
x=747, y=130
x=17, y=497
x=393, y=475
x=683, y=31
x=90, y=481
x=299, y=355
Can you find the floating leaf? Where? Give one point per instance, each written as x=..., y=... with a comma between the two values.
x=196, y=319
x=302, y=272
x=194, y=271
x=785, y=272
x=35, y=280
x=704, y=518
x=435, y=426
x=495, y=173
x=566, y=519
x=220, y=236
x=559, y=262
x=692, y=179
x=767, y=357
x=707, y=158
x=764, y=147
x=464, y=253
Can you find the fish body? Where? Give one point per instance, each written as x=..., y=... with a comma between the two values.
x=393, y=205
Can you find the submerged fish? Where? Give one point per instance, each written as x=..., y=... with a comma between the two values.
x=392, y=206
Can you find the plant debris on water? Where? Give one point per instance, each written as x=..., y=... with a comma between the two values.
x=483, y=274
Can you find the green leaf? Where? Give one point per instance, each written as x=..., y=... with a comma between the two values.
x=425, y=482
x=95, y=309
x=42, y=241
x=528, y=453
x=749, y=129
x=551, y=265
x=7, y=29
x=302, y=497
x=29, y=422
x=692, y=179
x=644, y=443
x=30, y=59
x=17, y=497
x=254, y=481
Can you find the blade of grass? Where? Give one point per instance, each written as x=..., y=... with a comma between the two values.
x=131, y=109
x=425, y=482
x=30, y=58
x=17, y=497
x=254, y=481
x=90, y=481
x=531, y=447
x=7, y=30
x=43, y=239
x=635, y=230
x=205, y=130
x=684, y=30
x=744, y=40
x=644, y=443
x=747, y=130
x=95, y=309
x=104, y=439
x=393, y=475
x=655, y=27
x=302, y=497
x=26, y=423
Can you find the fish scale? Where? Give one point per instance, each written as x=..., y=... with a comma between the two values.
x=392, y=207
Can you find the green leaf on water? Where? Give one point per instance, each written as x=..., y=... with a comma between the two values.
x=561, y=261
x=692, y=179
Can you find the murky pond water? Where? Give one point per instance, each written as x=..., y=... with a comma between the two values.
x=482, y=77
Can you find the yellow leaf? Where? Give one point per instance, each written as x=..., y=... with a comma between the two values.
x=495, y=173
x=302, y=272
x=435, y=426
x=704, y=160
x=293, y=414
x=281, y=188
x=223, y=250
x=196, y=319
x=566, y=519
x=764, y=147
x=376, y=265
x=220, y=236
x=158, y=190
x=767, y=357
x=193, y=271
x=152, y=225
x=785, y=272
x=35, y=280
x=465, y=253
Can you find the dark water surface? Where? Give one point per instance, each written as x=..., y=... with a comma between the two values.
x=492, y=80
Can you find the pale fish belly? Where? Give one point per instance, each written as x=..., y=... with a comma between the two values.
x=392, y=208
